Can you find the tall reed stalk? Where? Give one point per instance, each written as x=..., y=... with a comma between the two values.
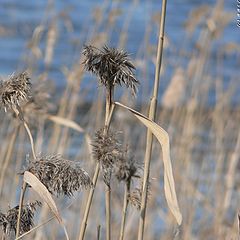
x=108, y=116
x=152, y=113
x=24, y=185
x=112, y=68
x=124, y=210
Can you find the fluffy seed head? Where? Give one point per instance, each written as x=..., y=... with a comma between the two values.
x=125, y=168
x=60, y=176
x=134, y=198
x=15, y=91
x=106, y=150
x=113, y=67
x=8, y=221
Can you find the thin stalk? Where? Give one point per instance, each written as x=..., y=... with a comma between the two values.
x=89, y=203
x=108, y=211
x=31, y=139
x=8, y=157
x=108, y=117
x=98, y=232
x=109, y=104
x=42, y=224
x=20, y=114
x=124, y=210
x=152, y=113
x=23, y=190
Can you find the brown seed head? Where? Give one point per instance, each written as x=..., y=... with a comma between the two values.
x=113, y=67
x=136, y=195
x=106, y=150
x=125, y=168
x=15, y=91
x=134, y=198
x=60, y=176
x=8, y=221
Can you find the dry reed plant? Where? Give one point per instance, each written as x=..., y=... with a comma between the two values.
x=60, y=176
x=204, y=138
x=113, y=67
x=8, y=221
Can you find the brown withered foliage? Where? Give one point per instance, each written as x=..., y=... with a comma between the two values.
x=8, y=221
x=60, y=176
x=106, y=150
x=135, y=196
x=125, y=168
x=112, y=66
x=15, y=91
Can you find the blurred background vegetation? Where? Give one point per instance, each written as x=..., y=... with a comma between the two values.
x=199, y=105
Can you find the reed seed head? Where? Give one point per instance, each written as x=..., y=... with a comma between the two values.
x=60, y=176
x=134, y=198
x=15, y=91
x=8, y=221
x=125, y=168
x=106, y=150
x=113, y=67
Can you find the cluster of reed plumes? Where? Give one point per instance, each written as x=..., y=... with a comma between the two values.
x=8, y=221
x=113, y=157
x=57, y=175
x=51, y=140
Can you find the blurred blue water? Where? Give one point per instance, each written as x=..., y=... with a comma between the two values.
x=20, y=18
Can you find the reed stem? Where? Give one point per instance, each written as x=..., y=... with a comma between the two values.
x=152, y=113
x=30, y=138
x=98, y=232
x=109, y=104
x=23, y=190
x=108, y=117
x=7, y=157
x=124, y=210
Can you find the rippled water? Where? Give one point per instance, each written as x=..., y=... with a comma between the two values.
x=20, y=18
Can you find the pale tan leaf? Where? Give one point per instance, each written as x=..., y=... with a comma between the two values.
x=38, y=187
x=163, y=139
x=65, y=122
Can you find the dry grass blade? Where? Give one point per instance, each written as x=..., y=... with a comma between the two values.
x=65, y=122
x=34, y=182
x=163, y=138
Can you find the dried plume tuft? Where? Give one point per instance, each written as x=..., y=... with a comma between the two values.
x=135, y=196
x=8, y=221
x=106, y=150
x=125, y=168
x=113, y=67
x=60, y=176
x=15, y=91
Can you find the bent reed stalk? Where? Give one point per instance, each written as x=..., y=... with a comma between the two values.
x=152, y=113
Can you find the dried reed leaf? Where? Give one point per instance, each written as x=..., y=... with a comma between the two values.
x=38, y=187
x=163, y=138
x=35, y=183
x=65, y=122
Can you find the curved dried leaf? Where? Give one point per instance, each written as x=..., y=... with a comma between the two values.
x=66, y=122
x=38, y=187
x=163, y=139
